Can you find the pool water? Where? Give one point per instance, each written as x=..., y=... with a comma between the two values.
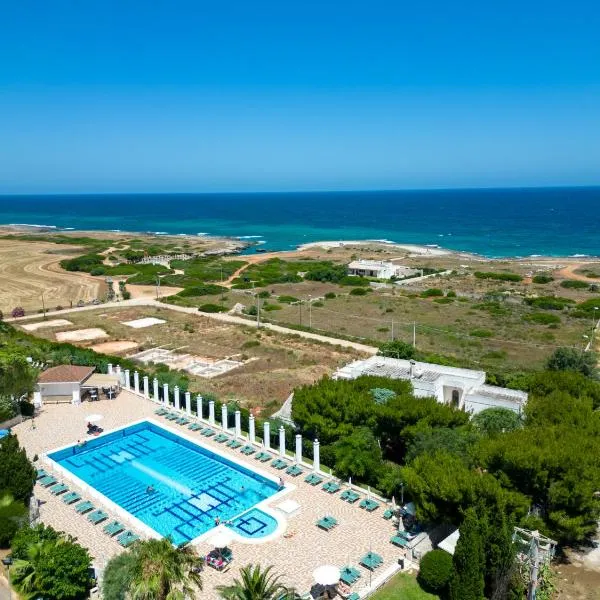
x=190, y=485
x=254, y=524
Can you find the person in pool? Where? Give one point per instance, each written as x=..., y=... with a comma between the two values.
x=150, y=489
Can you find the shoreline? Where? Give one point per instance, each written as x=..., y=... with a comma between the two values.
x=242, y=245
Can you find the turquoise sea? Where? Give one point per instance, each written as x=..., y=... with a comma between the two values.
x=491, y=222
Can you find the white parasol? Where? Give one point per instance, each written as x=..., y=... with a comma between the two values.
x=93, y=418
x=221, y=539
x=326, y=575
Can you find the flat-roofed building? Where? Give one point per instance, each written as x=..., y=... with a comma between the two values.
x=379, y=269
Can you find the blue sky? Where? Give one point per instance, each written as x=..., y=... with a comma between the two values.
x=233, y=96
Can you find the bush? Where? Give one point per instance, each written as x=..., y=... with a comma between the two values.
x=205, y=289
x=542, y=318
x=543, y=279
x=270, y=307
x=318, y=304
x=31, y=535
x=498, y=276
x=250, y=344
x=397, y=349
x=443, y=300
x=549, y=302
x=431, y=293
x=358, y=292
x=117, y=576
x=330, y=295
x=13, y=515
x=572, y=359
x=17, y=474
x=481, y=333
x=451, y=294
x=435, y=571
x=96, y=271
x=287, y=299
x=574, y=284
x=126, y=295
x=17, y=311
x=211, y=308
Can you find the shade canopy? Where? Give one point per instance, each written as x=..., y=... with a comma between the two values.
x=326, y=575
x=93, y=418
x=221, y=538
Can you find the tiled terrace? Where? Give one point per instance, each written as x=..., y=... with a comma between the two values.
x=294, y=555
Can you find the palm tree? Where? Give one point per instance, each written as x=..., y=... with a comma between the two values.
x=162, y=571
x=255, y=584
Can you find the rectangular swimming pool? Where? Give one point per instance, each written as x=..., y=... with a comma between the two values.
x=190, y=485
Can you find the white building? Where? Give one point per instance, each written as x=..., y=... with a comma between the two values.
x=464, y=388
x=379, y=269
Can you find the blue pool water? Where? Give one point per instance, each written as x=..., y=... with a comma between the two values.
x=192, y=486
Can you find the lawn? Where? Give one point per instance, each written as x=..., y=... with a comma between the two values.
x=403, y=587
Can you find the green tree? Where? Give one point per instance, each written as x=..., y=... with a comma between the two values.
x=118, y=576
x=397, y=349
x=493, y=421
x=54, y=570
x=255, y=583
x=499, y=552
x=435, y=571
x=162, y=571
x=469, y=561
x=26, y=536
x=17, y=474
x=358, y=455
x=572, y=359
x=17, y=376
x=13, y=515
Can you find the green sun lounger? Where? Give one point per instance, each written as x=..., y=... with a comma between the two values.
x=208, y=432
x=182, y=421
x=349, y=496
x=59, y=488
x=221, y=438
x=353, y=596
x=313, y=479
x=388, y=514
x=265, y=457
x=371, y=561
x=127, y=538
x=233, y=443
x=247, y=450
x=41, y=473
x=349, y=575
x=327, y=523
x=97, y=517
x=332, y=487
x=71, y=498
x=194, y=427
x=399, y=540
x=294, y=471
x=280, y=464
x=160, y=412
x=369, y=505
x=47, y=481
x=113, y=528
x=171, y=416
x=84, y=507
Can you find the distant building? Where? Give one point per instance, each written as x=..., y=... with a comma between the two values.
x=379, y=269
x=464, y=388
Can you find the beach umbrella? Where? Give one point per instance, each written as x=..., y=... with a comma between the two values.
x=393, y=502
x=326, y=575
x=349, y=480
x=221, y=539
x=93, y=418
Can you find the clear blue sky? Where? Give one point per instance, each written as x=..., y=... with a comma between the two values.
x=254, y=95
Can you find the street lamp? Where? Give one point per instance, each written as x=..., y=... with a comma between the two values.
x=309, y=311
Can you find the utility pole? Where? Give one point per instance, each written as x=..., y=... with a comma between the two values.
x=309, y=312
x=535, y=565
x=392, y=330
x=414, y=334
x=43, y=306
x=300, y=305
x=257, y=311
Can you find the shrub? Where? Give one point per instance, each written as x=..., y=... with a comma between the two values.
x=13, y=515
x=96, y=271
x=358, y=292
x=435, y=571
x=481, y=333
x=17, y=474
x=31, y=535
x=211, y=308
x=264, y=294
x=59, y=307
x=498, y=276
x=330, y=295
x=353, y=280
x=117, y=576
x=587, y=308
x=318, y=304
x=270, y=307
x=549, y=302
x=451, y=294
x=287, y=299
x=126, y=294
x=206, y=289
x=543, y=279
x=17, y=311
x=431, y=292
x=542, y=318
x=1, y=315
x=574, y=284
x=572, y=359
x=250, y=344
x=443, y=300
x=397, y=349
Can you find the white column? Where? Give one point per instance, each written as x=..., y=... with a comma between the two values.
x=136, y=382
x=238, y=424
x=188, y=403
x=37, y=399
x=281, y=441
x=146, y=387
x=76, y=397
x=109, y=368
x=211, y=412
x=166, y=393
x=127, y=380
x=316, y=456
x=176, y=394
x=224, y=417
x=199, y=406
x=251, y=429
x=267, y=435
x=118, y=370
x=298, y=448
x=155, y=390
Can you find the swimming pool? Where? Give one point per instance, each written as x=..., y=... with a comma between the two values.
x=171, y=484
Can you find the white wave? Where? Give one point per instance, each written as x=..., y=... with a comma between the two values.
x=203, y=233
x=33, y=225
x=261, y=242
x=249, y=237
x=578, y=255
x=160, y=232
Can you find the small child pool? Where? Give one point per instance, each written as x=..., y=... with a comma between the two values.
x=254, y=524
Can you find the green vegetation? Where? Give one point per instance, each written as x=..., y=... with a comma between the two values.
x=397, y=349
x=498, y=276
x=206, y=289
x=255, y=583
x=542, y=318
x=359, y=291
x=543, y=279
x=212, y=308
x=287, y=299
x=494, y=421
x=574, y=284
x=571, y=359
x=17, y=475
x=549, y=302
x=435, y=571
x=431, y=292
x=13, y=515
x=403, y=586
x=469, y=560
x=481, y=333
x=588, y=309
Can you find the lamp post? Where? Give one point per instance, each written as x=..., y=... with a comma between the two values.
x=309, y=311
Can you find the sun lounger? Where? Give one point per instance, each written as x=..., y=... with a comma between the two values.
x=71, y=498
x=332, y=487
x=247, y=450
x=349, y=575
x=113, y=528
x=221, y=438
x=233, y=443
x=350, y=496
x=84, y=507
x=279, y=464
x=194, y=427
x=208, y=432
x=371, y=561
x=399, y=540
x=161, y=412
x=294, y=471
x=97, y=517
x=59, y=488
x=327, y=523
x=388, y=514
x=182, y=421
x=353, y=596
x=263, y=456
x=313, y=479
x=369, y=505
x=41, y=473
x=127, y=538
x=47, y=481
x=171, y=416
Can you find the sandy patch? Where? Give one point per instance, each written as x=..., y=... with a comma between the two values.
x=114, y=347
x=146, y=322
x=42, y=324
x=80, y=335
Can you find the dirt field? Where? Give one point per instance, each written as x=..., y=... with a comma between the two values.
x=280, y=363
x=28, y=270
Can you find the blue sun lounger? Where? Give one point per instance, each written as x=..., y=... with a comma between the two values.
x=84, y=507
x=113, y=528
x=97, y=517
x=233, y=443
x=127, y=538
x=71, y=498
x=47, y=481
x=59, y=488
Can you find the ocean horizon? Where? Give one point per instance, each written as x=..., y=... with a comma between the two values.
x=496, y=223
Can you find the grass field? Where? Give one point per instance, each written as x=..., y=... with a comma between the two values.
x=403, y=586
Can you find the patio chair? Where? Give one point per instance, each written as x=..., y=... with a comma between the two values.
x=399, y=540
x=47, y=481
x=294, y=471
x=113, y=528
x=160, y=412
x=279, y=464
x=41, y=473
x=313, y=479
x=221, y=438
x=349, y=575
x=327, y=523
x=59, y=488
x=194, y=427
x=233, y=443
x=127, y=538
x=353, y=596
x=97, y=517
x=369, y=505
x=182, y=421
x=247, y=450
x=84, y=507
x=350, y=496
x=71, y=498
x=332, y=487
x=208, y=432
x=388, y=514
x=171, y=416
x=371, y=561
x=263, y=456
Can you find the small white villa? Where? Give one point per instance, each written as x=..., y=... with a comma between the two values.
x=463, y=388
x=379, y=269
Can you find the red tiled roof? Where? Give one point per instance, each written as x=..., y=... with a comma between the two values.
x=65, y=374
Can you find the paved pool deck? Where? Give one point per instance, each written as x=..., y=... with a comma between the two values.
x=295, y=554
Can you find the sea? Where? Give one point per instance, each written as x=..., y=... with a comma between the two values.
x=491, y=222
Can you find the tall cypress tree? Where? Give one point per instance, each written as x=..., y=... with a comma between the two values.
x=469, y=561
x=499, y=554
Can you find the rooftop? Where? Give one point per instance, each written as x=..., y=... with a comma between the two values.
x=65, y=374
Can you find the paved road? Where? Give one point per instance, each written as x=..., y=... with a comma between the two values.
x=5, y=593
x=226, y=318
